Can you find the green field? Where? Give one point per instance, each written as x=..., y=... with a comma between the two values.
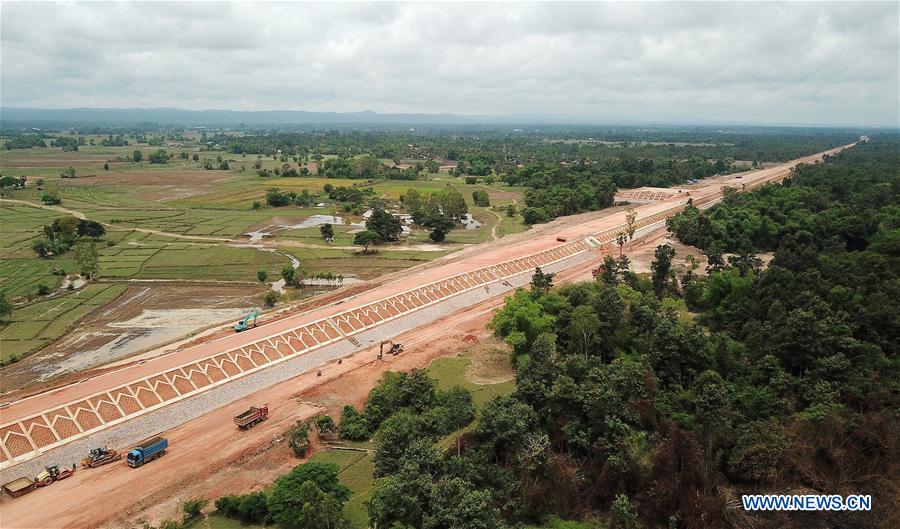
x=43, y=321
x=187, y=215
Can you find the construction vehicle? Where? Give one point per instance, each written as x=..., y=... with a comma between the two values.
x=396, y=348
x=596, y=272
x=251, y=417
x=51, y=474
x=245, y=323
x=147, y=451
x=100, y=456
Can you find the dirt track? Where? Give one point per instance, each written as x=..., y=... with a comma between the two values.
x=193, y=438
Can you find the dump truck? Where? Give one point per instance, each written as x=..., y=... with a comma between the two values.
x=51, y=474
x=245, y=323
x=147, y=451
x=19, y=487
x=251, y=417
x=100, y=456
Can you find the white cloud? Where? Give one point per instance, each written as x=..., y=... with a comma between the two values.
x=748, y=62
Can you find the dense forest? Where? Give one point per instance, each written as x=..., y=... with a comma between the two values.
x=633, y=411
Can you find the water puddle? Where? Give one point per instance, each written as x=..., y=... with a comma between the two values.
x=312, y=221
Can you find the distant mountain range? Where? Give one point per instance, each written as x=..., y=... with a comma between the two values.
x=17, y=118
x=226, y=118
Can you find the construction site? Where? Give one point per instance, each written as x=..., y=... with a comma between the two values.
x=216, y=404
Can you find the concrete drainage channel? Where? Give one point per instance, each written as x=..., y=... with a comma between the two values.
x=141, y=427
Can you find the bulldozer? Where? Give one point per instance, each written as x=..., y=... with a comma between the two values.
x=396, y=348
x=51, y=474
x=245, y=323
x=100, y=456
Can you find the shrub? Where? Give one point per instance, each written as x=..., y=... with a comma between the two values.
x=248, y=508
x=271, y=298
x=159, y=156
x=191, y=509
x=325, y=427
x=298, y=439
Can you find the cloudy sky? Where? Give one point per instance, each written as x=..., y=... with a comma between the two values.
x=822, y=63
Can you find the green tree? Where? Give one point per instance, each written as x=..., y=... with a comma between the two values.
x=364, y=239
x=541, y=283
x=262, y=275
x=298, y=439
x=661, y=268
x=106, y=167
x=712, y=411
x=481, y=199
x=137, y=156
x=88, y=258
x=308, y=497
x=504, y=425
x=327, y=231
x=90, y=228
x=353, y=425
x=521, y=321
x=622, y=516
x=630, y=216
x=385, y=225
x=534, y=216
x=51, y=197
x=6, y=307
x=585, y=324
x=287, y=273
x=456, y=503
x=440, y=226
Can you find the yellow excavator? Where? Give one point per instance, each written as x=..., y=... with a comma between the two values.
x=396, y=348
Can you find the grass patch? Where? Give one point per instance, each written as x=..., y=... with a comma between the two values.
x=451, y=371
x=355, y=472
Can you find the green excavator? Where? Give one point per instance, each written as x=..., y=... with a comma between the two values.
x=247, y=322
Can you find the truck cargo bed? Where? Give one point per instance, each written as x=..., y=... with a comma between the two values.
x=246, y=414
x=149, y=444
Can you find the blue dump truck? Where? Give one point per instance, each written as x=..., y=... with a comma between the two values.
x=147, y=451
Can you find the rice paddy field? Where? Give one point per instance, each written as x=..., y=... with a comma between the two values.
x=180, y=222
